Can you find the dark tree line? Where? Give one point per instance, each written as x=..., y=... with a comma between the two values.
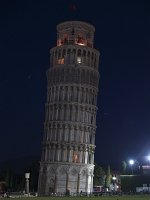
x=16, y=181
x=102, y=177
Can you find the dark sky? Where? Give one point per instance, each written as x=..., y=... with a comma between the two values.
x=28, y=31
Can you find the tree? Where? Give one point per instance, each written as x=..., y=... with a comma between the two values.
x=124, y=167
x=108, y=178
x=99, y=175
x=34, y=173
x=102, y=180
x=9, y=178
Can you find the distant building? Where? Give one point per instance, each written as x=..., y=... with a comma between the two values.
x=145, y=169
x=68, y=146
x=135, y=183
x=144, y=189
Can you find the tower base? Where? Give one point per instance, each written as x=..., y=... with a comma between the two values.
x=64, y=178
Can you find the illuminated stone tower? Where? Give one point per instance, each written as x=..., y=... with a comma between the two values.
x=68, y=146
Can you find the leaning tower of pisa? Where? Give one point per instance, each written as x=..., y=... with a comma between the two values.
x=68, y=145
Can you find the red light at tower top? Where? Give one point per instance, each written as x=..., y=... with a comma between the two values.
x=72, y=7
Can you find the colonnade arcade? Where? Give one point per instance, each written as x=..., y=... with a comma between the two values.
x=71, y=54
x=82, y=175
x=72, y=93
x=66, y=143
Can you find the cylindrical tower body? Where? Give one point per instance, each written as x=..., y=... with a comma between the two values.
x=67, y=162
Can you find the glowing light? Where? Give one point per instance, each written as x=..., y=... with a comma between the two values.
x=75, y=158
x=61, y=61
x=148, y=157
x=81, y=44
x=131, y=162
x=79, y=60
x=114, y=178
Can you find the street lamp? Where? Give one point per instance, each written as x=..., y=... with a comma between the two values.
x=131, y=162
x=114, y=178
x=115, y=186
x=148, y=158
x=27, y=176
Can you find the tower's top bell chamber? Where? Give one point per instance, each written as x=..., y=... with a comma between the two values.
x=75, y=32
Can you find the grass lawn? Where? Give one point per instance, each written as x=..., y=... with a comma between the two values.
x=123, y=197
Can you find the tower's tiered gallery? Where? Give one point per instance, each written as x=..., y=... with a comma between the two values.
x=68, y=145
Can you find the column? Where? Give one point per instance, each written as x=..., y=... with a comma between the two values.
x=67, y=182
x=68, y=112
x=50, y=153
x=55, y=186
x=78, y=113
x=75, y=134
x=50, y=134
x=65, y=133
x=80, y=154
x=89, y=57
x=58, y=92
x=53, y=153
x=78, y=184
x=63, y=94
x=79, y=95
x=60, y=133
x=68, y=97
x=56, y=153
x=88, y=185
x=70, y=154
x=50, y=95
x=71, y=134
x=84, y=97
x=83, y=154
x=83, y=114
x=52, y=113
x=92, y=157
x=64, y=156
x=45, y=152
x=82, y=134
x=73, y=113
x=56, y=117
x=86, y=156
x=49, y=113
x=27, y=176
x=91, y=189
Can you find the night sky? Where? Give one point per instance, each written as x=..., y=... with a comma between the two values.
x=28, y=31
